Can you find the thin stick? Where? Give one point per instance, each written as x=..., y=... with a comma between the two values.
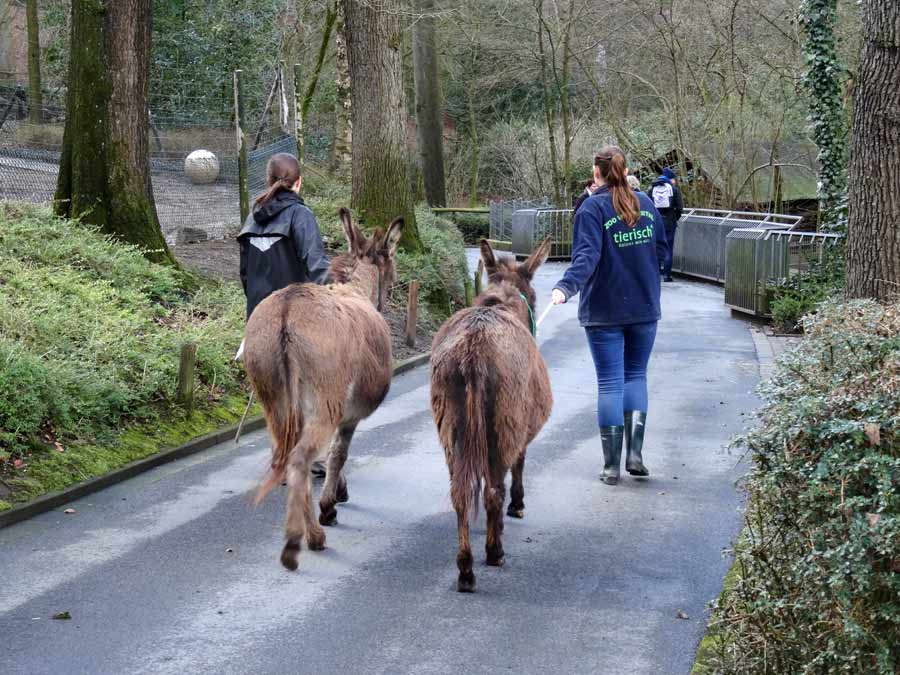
x=237, y=436
x=544, y=315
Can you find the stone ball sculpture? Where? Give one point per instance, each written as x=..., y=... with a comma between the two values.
x=202, y=167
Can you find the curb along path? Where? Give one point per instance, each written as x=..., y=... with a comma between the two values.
x=54, y=500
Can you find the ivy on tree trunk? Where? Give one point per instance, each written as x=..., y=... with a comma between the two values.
x=104, y=176
x=823, y=80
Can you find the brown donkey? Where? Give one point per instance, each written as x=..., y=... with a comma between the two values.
x=319, y=359
x=490, y=396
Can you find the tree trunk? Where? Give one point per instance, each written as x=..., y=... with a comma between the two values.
x=873, y=247
x=35, y=98
x=473, y=141
x=303, y=112
x=381, y=187
x=104, y=176
x=549, y=106
x=343, y=130
x=429, y=108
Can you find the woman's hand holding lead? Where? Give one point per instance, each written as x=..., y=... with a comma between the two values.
x=558, y=297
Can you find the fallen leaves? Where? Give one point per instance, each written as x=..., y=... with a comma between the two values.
x=681, y=614
x=69, y=511
x=62, y=616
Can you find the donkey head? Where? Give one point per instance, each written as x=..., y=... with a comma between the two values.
x=369, y=261
x=506, y=271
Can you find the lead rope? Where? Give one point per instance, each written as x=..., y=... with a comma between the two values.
x=530, y=316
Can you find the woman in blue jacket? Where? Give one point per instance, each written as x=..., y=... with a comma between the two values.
x=619, y=245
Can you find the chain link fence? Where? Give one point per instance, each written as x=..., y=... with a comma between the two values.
x=188, y=210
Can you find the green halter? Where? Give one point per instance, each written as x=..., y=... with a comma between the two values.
x=530, y=316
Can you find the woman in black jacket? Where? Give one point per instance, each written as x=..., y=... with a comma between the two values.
x=280, y=242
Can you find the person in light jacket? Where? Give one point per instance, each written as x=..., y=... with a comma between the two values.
x=618, y=248
x=280, y=243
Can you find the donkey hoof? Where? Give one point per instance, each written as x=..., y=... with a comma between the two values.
x=316, y=541
x=496, y=560
x=515, y=512
x=466, y=584
x=289, y=554
x=328, y=517
x=342, y=495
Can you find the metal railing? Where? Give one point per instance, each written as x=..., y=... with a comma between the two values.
x=760, y=258
x=700, y=241
x=531, y=226
x=501, y=215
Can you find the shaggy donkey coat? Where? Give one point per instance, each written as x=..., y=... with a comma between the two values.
x=319, y=360
x=490, y=396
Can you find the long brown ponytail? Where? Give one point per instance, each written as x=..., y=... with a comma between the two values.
x=611, y=163
x=282, y=171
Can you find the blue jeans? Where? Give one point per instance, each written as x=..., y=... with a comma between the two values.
x=621, y=354
x=670, y=250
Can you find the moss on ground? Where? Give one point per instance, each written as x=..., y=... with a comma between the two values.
x=51, y=470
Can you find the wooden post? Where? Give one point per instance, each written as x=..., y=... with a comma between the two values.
x=470, y=292
x=241, y=146
x=479, y=277
x=412, y=313
x=298, y=113
x=185, y=392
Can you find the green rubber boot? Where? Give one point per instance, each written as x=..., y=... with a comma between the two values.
x=634, y=442
x=611, y=444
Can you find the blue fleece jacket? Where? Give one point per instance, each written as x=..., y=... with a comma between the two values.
x=615, y=267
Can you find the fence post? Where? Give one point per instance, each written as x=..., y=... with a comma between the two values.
x=185, y=392
x=479, y=277
x=241, y=145
x=470, y=295
x=412, y=313
x=298, y=113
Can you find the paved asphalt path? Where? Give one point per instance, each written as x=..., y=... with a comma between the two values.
x=176, y=572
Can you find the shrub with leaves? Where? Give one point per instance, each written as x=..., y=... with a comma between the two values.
x=817, y=583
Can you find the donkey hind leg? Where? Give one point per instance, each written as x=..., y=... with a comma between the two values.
x=335, y=483
x=517, y=489
x=299, y=489
x=466, y=581
x=493, y=505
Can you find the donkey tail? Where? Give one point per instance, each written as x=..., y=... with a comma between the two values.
x=274, y=382
x=472, y=461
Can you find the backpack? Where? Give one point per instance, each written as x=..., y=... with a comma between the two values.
x=663, y=194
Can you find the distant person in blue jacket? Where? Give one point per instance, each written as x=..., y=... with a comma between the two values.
x=667, y=200
x=619, y=246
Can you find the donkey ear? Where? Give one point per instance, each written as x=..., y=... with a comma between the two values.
x=392, y=238
x=350, y=230
x=538, y=258
x=487, y=255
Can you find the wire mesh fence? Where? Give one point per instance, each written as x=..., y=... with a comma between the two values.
x=192, y=204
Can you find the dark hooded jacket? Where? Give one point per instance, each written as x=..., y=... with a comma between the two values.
x=280, y=245
x=667, y=199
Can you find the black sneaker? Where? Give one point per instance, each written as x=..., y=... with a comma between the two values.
x=669, y=278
